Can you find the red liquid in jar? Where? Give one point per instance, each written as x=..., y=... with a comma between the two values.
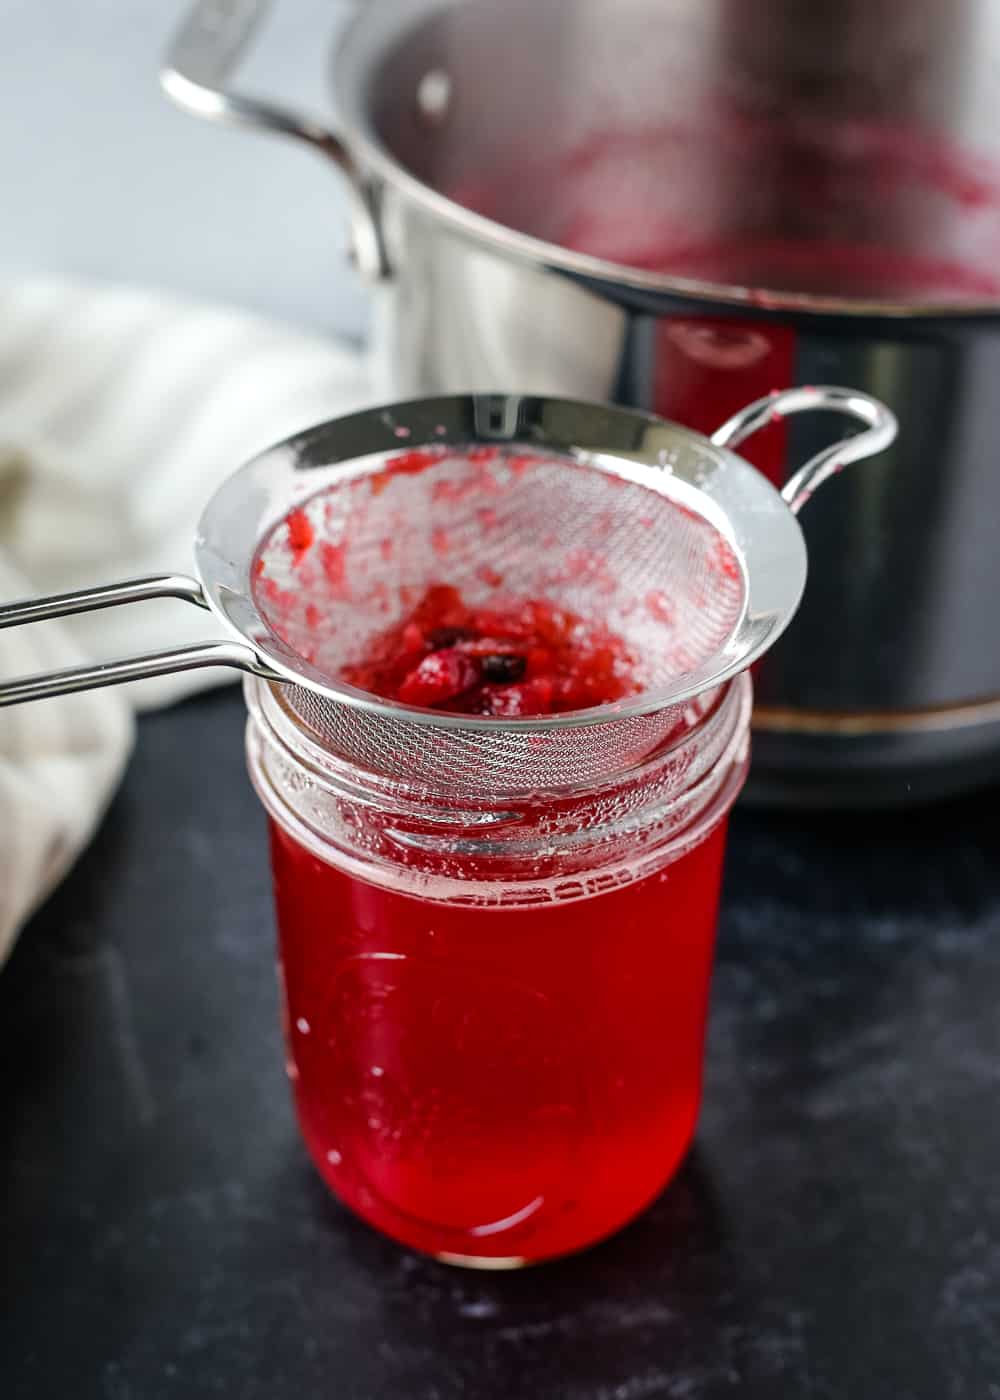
x=496, y=1083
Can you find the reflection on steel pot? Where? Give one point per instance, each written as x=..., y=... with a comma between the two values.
x=681, y=205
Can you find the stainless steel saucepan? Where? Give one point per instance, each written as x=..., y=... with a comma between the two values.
x=680, y=205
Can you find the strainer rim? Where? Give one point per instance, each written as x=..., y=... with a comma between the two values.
x=764, y=534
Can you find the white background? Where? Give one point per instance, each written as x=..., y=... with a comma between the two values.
x=103, y=178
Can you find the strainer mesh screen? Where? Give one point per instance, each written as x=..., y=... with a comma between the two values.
x=500, y=525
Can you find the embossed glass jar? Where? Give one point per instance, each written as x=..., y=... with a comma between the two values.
x=495, y=1010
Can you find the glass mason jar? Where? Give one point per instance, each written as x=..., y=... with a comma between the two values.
x=495, y=1009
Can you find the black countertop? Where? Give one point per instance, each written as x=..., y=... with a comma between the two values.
x=836, y=1232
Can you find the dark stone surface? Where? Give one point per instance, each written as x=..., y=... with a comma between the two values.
x=835, y=1234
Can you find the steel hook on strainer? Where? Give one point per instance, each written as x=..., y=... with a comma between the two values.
x=668, y=537
x=879, y=433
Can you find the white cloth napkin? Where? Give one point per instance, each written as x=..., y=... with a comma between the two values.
x=120, y=411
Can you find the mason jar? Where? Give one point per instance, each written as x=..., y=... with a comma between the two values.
x=495, y=1005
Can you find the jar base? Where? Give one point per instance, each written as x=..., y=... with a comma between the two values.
x=494, y=1263
x=407, y=1234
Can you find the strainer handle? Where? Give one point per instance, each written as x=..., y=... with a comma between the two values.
x=133, y=668
x=880, y=430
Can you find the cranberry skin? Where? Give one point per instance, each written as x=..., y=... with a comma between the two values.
x=442, y=637
x=510, y=701
x=440, y=676
x=300, y=533
x=502, y=668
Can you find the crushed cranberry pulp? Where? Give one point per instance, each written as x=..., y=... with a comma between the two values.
x=523, y=657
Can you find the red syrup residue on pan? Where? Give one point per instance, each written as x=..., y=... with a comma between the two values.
x=745, y=199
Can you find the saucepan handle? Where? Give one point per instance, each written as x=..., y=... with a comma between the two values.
x=196, y=75
x=880, y=429
x=133, y=668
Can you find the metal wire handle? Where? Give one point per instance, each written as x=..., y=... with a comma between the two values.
x=880, y=430
x=134, y=668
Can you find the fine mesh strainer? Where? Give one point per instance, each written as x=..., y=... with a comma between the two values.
x=678, y=545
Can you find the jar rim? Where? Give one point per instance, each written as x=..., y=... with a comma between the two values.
x=509, y=890
x=567, y=847
x=266, y=702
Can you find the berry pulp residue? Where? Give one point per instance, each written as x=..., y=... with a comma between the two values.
x=521, y=657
